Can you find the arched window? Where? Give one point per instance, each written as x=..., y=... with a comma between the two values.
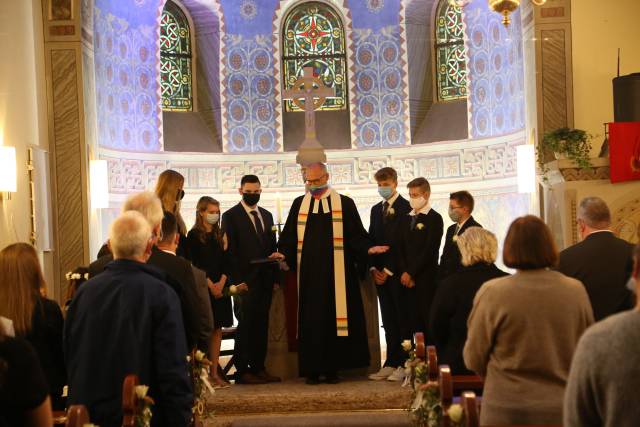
x=313, y=36
x=175, y=59
x=451, y=66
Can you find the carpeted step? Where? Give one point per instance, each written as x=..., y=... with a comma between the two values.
x=397, y=418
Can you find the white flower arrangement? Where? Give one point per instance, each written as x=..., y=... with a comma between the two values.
x=455, y=413
x=141, y=391
x=199, y=356
x=76, y=276
x=406, y=345
x=420, y=226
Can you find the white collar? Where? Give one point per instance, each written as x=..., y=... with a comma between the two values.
x=169, y=252
x=249, y=209
x=463, y=223
x=598, y=231
x=425, y=210
x=392, y=199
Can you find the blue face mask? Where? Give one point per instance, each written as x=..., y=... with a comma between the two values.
x=385, y=192
x=317, y=190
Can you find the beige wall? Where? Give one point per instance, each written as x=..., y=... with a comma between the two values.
x=599, y=28
x=23, y=105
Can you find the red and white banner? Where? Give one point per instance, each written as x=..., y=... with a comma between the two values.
x=624, y=151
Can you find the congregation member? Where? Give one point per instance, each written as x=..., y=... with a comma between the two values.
x=605, y=372
x=126, y=321
x=384, y=228
x=170, y=191
x=523, y=330
x=454, y=297
x=601, y=261
x=175, y=271
x=35, y=318
x=324, y=241
x=75, y=278
x=208, y=251
x=461, y=205
x=24, y=395
x=251, y=240
x=418, y=253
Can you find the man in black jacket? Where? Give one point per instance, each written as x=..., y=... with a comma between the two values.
x=601, y=261
x=384, y=229
x=174, y=270
x=460, y=207
x=252, y=250
x=418, y=252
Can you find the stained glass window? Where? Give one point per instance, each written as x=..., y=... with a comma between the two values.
x=175, y=59
x=451, y=65
x=314, y=37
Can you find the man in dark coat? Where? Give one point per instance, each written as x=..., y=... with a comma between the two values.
x=325, y=242
x=384, y=229
x=252, y=241
x=601, y=261
x=418, y=252
x=127, y=321
x=460, y=208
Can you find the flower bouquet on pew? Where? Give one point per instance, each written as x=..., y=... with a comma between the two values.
x=199, y=369
x=143, y=411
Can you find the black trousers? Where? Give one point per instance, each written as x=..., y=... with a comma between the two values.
x=252, y=334
x=396, y=319
x=425, y=291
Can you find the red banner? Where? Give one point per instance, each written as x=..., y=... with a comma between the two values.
x=624, y=151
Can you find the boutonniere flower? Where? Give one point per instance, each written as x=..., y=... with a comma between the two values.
x=420, y=226
x=391, y=212
x=455, y=238
x=233, y=289
x=274, y=228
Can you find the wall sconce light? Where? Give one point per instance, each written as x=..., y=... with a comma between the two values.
x=526, y=165
x=99, y=184
x=8, y=172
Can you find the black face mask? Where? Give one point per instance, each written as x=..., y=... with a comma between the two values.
x=251, y=199
x=180, y=195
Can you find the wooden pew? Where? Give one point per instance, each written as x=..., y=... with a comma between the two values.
x=77, y=416
x=129, y=400
x=470, y=409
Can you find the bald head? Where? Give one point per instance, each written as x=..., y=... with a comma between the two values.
x=130, y=236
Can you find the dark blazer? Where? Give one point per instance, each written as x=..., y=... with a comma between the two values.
x=450, y=259
x=419, y=248
x=450, y=310
x=178, y=275
x=603, y=263
x=46, y=338
x=387, y=232
x=244, y=245
x=127, y=321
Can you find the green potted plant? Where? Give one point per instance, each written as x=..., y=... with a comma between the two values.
x=572, y=144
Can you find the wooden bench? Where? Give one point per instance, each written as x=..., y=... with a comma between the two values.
x=77, y=416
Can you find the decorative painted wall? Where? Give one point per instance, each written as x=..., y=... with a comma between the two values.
x=496, y=79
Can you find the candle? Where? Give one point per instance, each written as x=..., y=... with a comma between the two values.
x=279, y=208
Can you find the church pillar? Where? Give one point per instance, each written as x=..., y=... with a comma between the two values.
x=69, y=165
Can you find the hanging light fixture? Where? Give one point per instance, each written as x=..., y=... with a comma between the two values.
x=505, y=7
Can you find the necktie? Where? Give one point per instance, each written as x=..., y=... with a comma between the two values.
x=457, y=230
x=385, y=211
x=258, y=223
x=414, y=219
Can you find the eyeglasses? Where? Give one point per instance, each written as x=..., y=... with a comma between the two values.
x=456, y=207
x=317, y=180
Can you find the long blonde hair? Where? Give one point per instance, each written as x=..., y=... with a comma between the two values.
x=169, y=182
x=21, y=282
x=198, y=225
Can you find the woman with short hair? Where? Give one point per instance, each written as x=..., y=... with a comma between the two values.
x=523, y=330
x=454, y=297
x=35, y=318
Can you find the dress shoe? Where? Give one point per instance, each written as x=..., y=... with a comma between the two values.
x=249, y=378
x=332, y=378
x=268, y=378
x=313, y=380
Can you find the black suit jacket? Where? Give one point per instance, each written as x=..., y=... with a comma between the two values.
x=387, y=232
x=177, y=273
x=245, y=245
x=419, y=248
x=603, y=263
x=450, y=261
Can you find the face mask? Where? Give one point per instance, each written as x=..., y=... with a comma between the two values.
x=385, y=192
x=180, y=195
x=251, y=199
x=213, y=218
x=454, y=215
x=417, y=203
x=317, y=190
x=631, y=284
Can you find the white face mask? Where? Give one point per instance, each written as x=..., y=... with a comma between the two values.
x=631, y=284
x=417, y=203
x=213, y=218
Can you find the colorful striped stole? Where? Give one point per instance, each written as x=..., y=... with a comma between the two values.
x=342, y=325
